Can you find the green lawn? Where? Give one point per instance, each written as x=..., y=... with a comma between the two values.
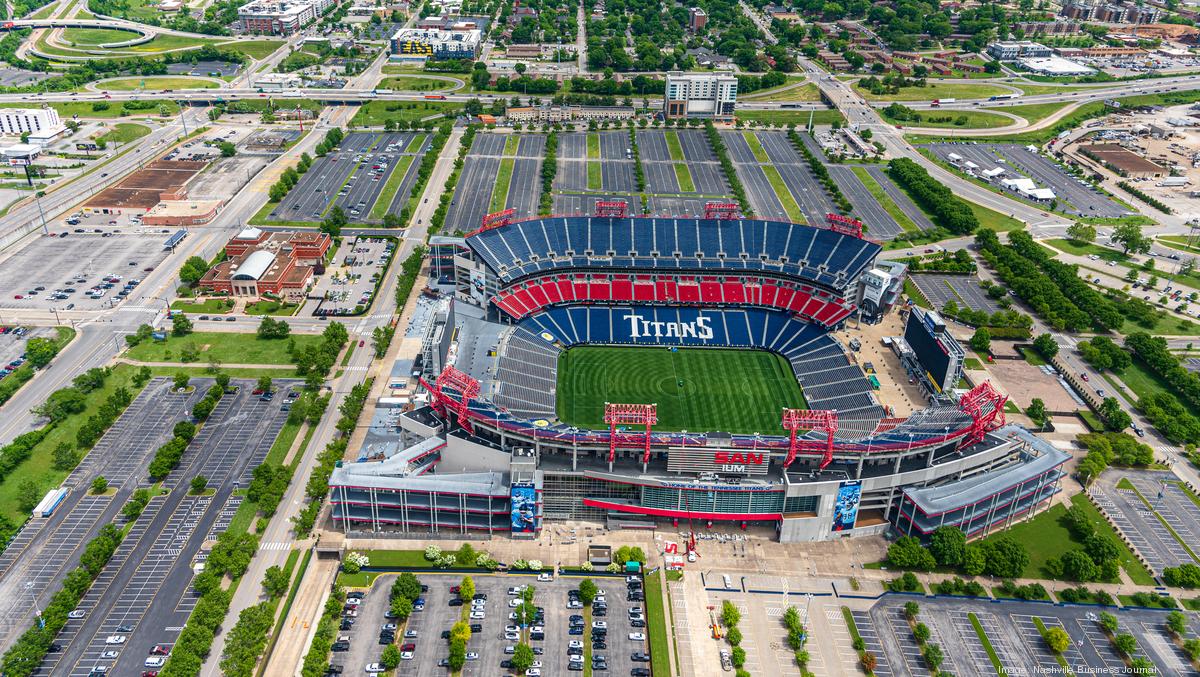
x=1032, y=357
x=124, y=132
x=83, y=109
x=227, y=348
x=163, y=43
x=271, y=308
x=738, y=391
x=1088, y=249
x=206, y=371
x=255, y=49
x=674, y=148
x=756, y=147
x=593, y=146
x=39, y=467
x=785, y=196
x=971, y=119
x=1180, y=242
x=595, y=176
x=790, y=117
x=510, y=144
x=207, y=306
x=388, y=194
x=1033, y=112
x=884, y=200
x=503, y=180
x=1164, y=324
x=656, y=625
x=995, y=220
x=415, y=83
x=805, y=92
x=1144, y=383
x=684, y=176
x=1045, y=536
x=938, y=90
x=973, y=364
x=375, y=113
x=91, y=37
x=156, y=82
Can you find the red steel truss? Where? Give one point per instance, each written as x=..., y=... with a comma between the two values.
x=845, y=225
x=467, y=388
x=974, y=404
x=614, y=209
x=795, y=420
x=645, y=415
x=721, y=210
x=495, y=220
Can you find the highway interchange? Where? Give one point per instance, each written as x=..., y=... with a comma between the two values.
x=112, y=603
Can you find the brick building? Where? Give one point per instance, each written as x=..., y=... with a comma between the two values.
x=259, y=263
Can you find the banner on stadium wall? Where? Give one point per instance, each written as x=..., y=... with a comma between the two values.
x=523, y=503
x=701, y=459
x=478, y=288
x=845, y=509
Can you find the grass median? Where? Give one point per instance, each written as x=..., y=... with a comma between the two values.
x=756, y=147
x=595, y=176
x=674, y=148
x=390, y=188
x=593, y=146
x=503, y=181
x=785, y=196
x=684, y=177
x=884, y=201
x=660, y=662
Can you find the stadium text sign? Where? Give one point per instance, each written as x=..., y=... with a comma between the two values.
x=700, y=460
x=643, y=328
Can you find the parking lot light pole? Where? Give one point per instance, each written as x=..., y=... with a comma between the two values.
x=36, y=609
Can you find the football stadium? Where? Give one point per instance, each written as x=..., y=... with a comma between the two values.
x=641, y=371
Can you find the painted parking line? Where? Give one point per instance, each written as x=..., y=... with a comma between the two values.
x=1047, y=663
x=870, y=635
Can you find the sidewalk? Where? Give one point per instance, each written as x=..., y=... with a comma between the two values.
x=300, y=624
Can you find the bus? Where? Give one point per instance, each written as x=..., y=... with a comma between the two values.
x=1002, y=97
x=50, y=503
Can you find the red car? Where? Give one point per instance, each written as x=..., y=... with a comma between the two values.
x=1083, y=376
x=360, y=343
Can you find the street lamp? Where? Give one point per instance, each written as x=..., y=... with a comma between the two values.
x=36, y=609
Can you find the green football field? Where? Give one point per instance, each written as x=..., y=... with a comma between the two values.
x=696, y=389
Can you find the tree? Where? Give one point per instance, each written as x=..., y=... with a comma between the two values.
x=1046, y=346
x=1108, y=622
x=974, y=560
x=730, y=614
x=869, y=661
x=587, y=591
x=264, y=384
x=1177, y=623
x=199, y=484
x=921, y=633
x=402, y=607
x=934, y=657
x=734, y=636
x=227, y=149
x=390, y=658
x=193, y=269
x=407, y=586
x=99, y=485
x=465, y=555
x=180, y=325
x=381, y=338
x=911, y=609
x=1077, y=566
x=275, y=582
x=737, y=656
x=466, y=589
x=1130, y=237
x=65, y=457
x=181, y=381
x=39, y=351
x=948, y=544
x=981, y=340
x=1114, y=416
x=1006, y=557
x=28, y=495
x=522, y=658
x=1036, y=411
x=1125, y=644
x=1057, y=639
x=270, y=328
x=1081, y=233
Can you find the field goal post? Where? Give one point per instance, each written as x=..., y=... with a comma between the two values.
x=644, y=415
x=795, y=420
x=975, y=404
x=467, y=388
x=721, y=210
x=612, y=209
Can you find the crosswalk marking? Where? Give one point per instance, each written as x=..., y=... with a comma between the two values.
x=275, y=546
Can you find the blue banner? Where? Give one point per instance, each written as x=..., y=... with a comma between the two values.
x=845, y=510
x=523, y=499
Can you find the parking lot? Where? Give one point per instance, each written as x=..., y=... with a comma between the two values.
x=964, y=290
x=349, y=282
x=78, y=261
x=354, y=177
x=1013, y=634
x=880, y=224
x=13, y=339
x=898, y=196
x=473, y=193
x=1073, y=195
x=218, y=69
x=1140, y=525
x=486, y=648
x=149, y=596
x=797, y=178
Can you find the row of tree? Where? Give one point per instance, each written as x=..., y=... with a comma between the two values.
x=549, y=172
x=168, y=456
x=1025, y=278
x=317, y=659
x=1105, y=314
x=950, y=211
x=818, y=169
x=318, y=483
x=722, y=153
x=1000, y=556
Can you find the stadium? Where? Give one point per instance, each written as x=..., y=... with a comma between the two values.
x=638, y=371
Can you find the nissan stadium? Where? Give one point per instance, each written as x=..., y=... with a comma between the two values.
x=638, y=371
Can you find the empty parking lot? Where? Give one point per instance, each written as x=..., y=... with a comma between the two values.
x=964, y=290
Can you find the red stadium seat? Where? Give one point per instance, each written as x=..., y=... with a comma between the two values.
x=710, y=292
x=688, y=293
x=735, y=292
x=552, y=291
x=667, y=291
x=566, y=289
x=622, y=290
x=644, y=291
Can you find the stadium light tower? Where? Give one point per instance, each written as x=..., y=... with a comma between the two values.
x=795, y=420
x=464, y=386
x=985, y=405
x=645, y=415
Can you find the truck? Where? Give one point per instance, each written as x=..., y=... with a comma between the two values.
x=1002, y=97
x=938, y=102
x=50, y=503
x=436, y=97
x=382, y=91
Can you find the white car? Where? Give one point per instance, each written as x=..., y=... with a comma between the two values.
x=600, y=624
x=574, y=604
x=76, y=613
x=353, y=602
x=155, y=661
x=511, y=628
x=478, y=615
x=515, y=591
x=575, y=644
x=514, y=603
x=512, y=636
x=601, y=599
x=533, y=672
x=406, y=655
x=545, y=578
x=375, y=668
x=472, y=655
x=115, y=639
x=510, y=649
x=111, y=653
x=637, y=637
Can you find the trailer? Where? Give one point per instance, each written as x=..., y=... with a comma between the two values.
x=50, y=503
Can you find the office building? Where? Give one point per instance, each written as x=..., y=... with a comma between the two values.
x=39, y=122
x=437, y=43
x=1011, y=50
x=280, y=17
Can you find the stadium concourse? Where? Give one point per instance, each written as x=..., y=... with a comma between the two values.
x=521, y=296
